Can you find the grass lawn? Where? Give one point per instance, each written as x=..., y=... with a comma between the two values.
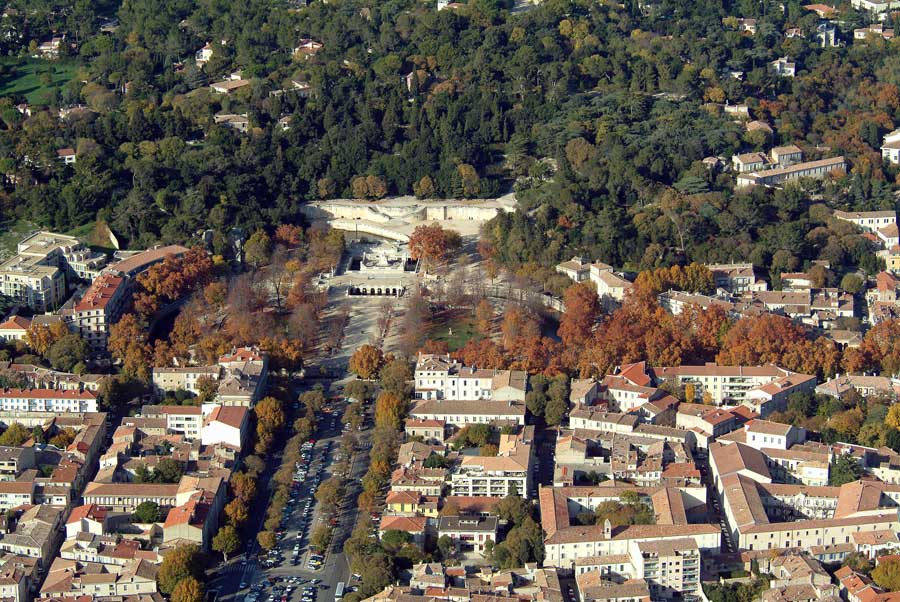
x=462, y=323
x=11, y=233
x=23, y=78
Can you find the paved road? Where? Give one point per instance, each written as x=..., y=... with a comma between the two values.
x=226, y=580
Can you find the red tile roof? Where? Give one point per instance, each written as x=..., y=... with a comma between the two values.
x=100, y=293
x=16, y=323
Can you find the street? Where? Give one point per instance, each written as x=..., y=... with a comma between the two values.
x=245, y=569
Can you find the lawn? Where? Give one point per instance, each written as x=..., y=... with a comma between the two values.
x=462, y=325
x=24, y=78
x=11, y=233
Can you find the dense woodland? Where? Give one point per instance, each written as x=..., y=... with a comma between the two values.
x=595, y=114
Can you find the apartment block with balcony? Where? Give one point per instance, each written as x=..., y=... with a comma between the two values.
x=670, y=567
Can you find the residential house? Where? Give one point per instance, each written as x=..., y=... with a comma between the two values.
x=14, y=329
x=783, y=67
x=469, y=533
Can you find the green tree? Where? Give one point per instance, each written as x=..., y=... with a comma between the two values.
x=844, y=470
x=67, y=352
x=147, y=512
x=258, y=248
x=393, y=540
x=15, y=435
x=320, y=538
x=513, y=509
x=168, y=470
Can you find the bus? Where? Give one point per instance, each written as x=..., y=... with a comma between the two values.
x=339, y=591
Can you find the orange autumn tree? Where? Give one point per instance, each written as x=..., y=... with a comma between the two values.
x=433, y=244
x=582, y=308
x=775, y=339
x=40, y=337
x=128, y=343
x=639, y=330
x=366, y=361
x=879, y=350
x=171, y=279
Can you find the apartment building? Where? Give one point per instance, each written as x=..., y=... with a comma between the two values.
x=37, y=274
x=16, y=493
x=240, y=377
x=459, y=413
x=779, y=175
x=184, y=378
x=671, y=567
x=126, y=497
x=100, y=307
x=764, y=434
x=14, y=461
x=723, y=384
x=441, y=377
x=736, y=278
x=869, y=221
x=867, y=386
x=34, y=282
x=186, y=420
x=509, y=472
x=566, y=544
x=47, y=400
x=773, y=396
x=73, y=579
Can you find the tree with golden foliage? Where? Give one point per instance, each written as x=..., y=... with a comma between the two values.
x=484, y=316
x=128, y=343
x=40, y=337
x=389, y=410
x=366, y=361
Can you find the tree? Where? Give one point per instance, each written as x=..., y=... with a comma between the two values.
x=237, y=513
x=226, y=541
x=181, y=563
x=844, y=470
x=893, y=416
x=582, y=306
x=128, y=343
x=330, y=492
x=63, y=438
x=389, y=409
x=395, y=377
x=445, y=546
x=15, y=435
x=320, y=538
x=484, y=317
x=887, y=574
x=513, y=509
x=269, y=414
x=68, y=352
x=258, y=248
x=432, y=244
x=40, y=337
x=243, y=486
x=393, y=540
x=366, y=361
x=147, y=512
x=852, y=283
x=168, y=470
x=188, y=590
x=266, y=539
